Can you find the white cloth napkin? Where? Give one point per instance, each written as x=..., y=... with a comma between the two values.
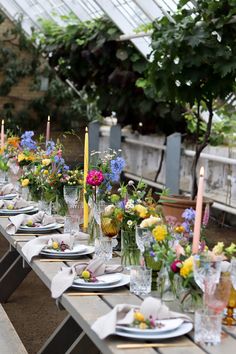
x=123, y=314
x=65, y=277
x=35, y=246
x=16, y=203
x=7, y=189
x=22, y=219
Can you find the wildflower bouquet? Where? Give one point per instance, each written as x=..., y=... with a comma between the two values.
x=103, y=175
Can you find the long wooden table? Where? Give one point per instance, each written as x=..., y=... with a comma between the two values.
x=74, y=334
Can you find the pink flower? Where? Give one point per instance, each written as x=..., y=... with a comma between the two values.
x=94, y=178
x=176, y=265
x=59, y=153
x=179, y=250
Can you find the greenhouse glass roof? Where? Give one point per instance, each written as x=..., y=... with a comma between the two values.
x=128, y=15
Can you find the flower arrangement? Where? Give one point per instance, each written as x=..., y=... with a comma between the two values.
x=103, y=175
x=57, y=246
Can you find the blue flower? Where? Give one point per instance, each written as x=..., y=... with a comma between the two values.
x=189, y=214
x=66, y=167
x=117, y=166
x=27, y=142
x=50, y=147
x=186, y=226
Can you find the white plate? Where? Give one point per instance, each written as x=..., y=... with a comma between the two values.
x=169, y=325
x=50, y=254
x=43, y=228
x=17, y=211
x=76, y=249
x=101, y=280
x=181, y=330
x=125, y=279
x=8, y=196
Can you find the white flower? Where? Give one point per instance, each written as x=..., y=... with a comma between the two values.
x=149, y=222
x=129, y=204
x=130, y=183
x=109, y=210
x=130, y=223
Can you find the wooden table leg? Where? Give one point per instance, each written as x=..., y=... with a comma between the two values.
x=12, y=278
x=82, y=345
x=62, y=338
x=7, y=260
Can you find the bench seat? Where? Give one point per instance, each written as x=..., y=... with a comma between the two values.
x=10, y=342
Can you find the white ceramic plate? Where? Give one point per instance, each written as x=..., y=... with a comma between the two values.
x=101, y=280
x=18, y=211
x=181, y=330
x=76, y=249
x=43, y=228
x=50, y=254
x=125, y=279
x=8, y=196
x=168, y=325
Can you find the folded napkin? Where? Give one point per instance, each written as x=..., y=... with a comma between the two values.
x=40, y=218
x=65, y=277
x=35, y=246
x=14, y=204
x=123, y=314
x=7, y=189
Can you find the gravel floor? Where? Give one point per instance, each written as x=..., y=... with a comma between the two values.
x=35, y=315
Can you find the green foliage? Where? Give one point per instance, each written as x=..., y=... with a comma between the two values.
x=92, y=57
x=194, y=58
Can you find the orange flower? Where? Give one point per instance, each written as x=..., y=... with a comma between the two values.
x=13, y=141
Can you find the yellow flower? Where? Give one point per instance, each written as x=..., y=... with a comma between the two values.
x=160, y=232
x=141, y=210
x=218, y=249
x=45, y=172
x=138, y=316
x=179, y=229
x=21, y=157
x=55, y=245
x=85, y=274
x=46, y=162
x=25, y=182
x=13, y=141
x=31, y=158
x=187, y=267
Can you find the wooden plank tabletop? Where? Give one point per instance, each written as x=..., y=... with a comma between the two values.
x=86, y=309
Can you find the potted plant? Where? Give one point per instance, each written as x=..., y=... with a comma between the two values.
x=194, y=61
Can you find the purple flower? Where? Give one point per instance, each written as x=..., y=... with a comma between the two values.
x=189, y=214
x=186, y=226
x=50, y=147
x=27, y=142
x=117, y=166
x=152, y=253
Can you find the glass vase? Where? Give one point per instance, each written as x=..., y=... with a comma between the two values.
x=190, y=300
x=93, y=223
x=130, y=253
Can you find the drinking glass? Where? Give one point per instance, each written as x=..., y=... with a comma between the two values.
x=143, y=238
x=140, y=280
x=45, y=206
x=216, y=297
x=206, y=271
x=71, y=196
x=233, y=272
x=207, y=327
x=103, y=248
x=71, y=225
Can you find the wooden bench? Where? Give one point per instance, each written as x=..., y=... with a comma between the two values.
x=10, y=342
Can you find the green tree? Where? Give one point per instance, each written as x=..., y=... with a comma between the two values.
x=194, y=60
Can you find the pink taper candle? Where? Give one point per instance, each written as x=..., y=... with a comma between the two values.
x=2, y=136
x=198, y=216
x=48, y=130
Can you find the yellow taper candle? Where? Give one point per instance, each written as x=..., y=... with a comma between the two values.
x=86, y=162
x=198, y=216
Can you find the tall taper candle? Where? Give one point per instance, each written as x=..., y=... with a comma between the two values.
x=2, y=136
x=86, y=162
x=198, y=216
x=48, y=130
